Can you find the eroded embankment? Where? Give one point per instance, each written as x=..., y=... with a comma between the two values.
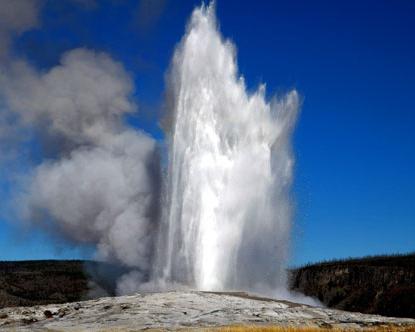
x=383, y=285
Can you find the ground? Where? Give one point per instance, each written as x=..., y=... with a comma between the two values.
x=185, y=310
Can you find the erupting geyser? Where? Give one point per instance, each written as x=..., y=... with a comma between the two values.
x=226, y=219
x=217, y=216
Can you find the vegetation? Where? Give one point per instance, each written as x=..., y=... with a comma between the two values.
x=258, y=328
x=376, y=284
x=404, y=260
x=29, y=283
x=271, y=328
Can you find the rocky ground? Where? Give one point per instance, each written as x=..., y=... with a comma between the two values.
x=184, y=309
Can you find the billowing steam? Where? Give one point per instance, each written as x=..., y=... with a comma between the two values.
x=220, y=219
x=98, y=181
x=16, y=17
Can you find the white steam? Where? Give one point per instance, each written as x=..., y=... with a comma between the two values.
x=16, y=16
x=83, y=99
x=99, y=183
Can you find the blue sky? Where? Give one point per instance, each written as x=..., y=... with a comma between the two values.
x=353, y=63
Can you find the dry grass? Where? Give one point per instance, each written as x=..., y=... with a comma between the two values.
x=259, y=328
x=270, y=328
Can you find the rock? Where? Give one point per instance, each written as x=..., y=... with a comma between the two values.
x=187, y=309
x=62, y=312
x=48, y=314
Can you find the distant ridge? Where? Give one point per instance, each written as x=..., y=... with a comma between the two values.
x=27, y=283
x=373, y=260
x=382, y=284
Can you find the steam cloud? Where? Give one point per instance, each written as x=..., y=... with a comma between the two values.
x=97, y=183
x=226, y=209
x=16, y=17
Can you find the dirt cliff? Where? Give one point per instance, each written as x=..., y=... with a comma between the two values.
x=26, y=283
x=382, y=285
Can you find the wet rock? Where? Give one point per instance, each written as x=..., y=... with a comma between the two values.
x=48, y=314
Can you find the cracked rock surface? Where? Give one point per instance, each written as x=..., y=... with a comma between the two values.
x=181, y=309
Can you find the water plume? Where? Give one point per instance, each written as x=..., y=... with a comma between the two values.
x=227, y=213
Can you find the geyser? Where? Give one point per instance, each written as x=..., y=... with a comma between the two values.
x=227, y=214
x=224, y=216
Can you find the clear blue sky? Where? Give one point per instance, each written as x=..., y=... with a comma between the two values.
x=353, y=62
